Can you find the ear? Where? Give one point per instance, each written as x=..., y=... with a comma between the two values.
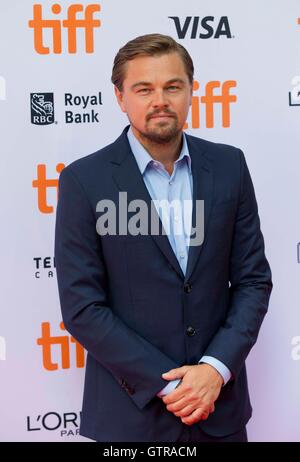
x=120, y=98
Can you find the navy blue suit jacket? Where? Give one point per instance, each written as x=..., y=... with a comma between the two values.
x=126, y=300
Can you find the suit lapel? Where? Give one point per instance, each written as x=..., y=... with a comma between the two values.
x=202, y=190
x=128, y=177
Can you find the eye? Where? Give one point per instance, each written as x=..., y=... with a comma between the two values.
x=174, y=87
x=143, y=90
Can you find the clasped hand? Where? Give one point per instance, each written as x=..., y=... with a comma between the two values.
x=194, y=397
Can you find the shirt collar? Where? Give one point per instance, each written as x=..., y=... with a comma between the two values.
x=142, y=156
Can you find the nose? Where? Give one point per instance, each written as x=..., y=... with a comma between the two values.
x=159, y=99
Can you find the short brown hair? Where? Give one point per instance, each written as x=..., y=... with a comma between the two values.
x=148, y=45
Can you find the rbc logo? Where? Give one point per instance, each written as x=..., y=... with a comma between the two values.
x=72, y=24
x=42, y=108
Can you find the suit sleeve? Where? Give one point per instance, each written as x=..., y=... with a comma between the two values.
x=82, y=283
x=250, y=279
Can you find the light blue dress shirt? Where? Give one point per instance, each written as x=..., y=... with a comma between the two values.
x=176, y=220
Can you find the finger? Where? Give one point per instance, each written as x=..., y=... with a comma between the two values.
x=193, y=418
x=176, y=373
x=204, y=415
x=185, y=411
x=212, y=409
x=174, y=396
x=179, y=404
x=179, y=392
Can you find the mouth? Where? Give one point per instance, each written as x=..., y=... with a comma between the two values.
x=161, y=116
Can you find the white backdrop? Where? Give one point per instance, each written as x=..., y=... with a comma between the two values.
x=258, y=49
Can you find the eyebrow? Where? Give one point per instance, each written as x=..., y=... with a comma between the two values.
x=176, y=79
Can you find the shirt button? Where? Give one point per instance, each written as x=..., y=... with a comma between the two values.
x=181, y=255
x=171, y=182
x=176, y=218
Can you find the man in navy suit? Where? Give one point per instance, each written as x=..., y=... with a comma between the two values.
x=167, y=318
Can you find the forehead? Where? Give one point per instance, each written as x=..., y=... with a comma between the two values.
x=154, y=69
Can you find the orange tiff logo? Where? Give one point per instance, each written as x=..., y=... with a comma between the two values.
x=216, y=93
x=42, y=184
x=72, y=24
x=47, y=341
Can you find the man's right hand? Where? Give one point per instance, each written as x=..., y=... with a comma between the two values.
x=194, y=398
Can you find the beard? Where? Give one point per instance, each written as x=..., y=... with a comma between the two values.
x=162, y=131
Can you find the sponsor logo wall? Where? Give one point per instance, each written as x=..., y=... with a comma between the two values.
x=57, y=104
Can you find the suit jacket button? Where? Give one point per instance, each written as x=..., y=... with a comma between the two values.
x=190, y=331
x=187, y=288
x=122, y=383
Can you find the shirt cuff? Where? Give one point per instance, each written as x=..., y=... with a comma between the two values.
x=168, y=388
x=221, y=368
